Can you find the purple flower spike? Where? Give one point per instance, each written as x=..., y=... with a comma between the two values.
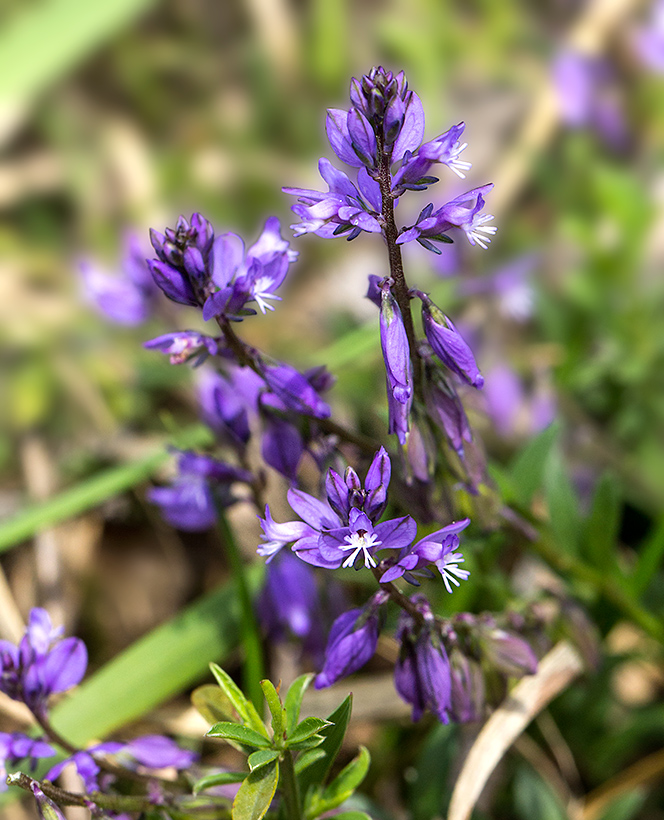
x=185, y=346
x=422, y=674
x=447, y=343
x=352, y=642
x=398, y=367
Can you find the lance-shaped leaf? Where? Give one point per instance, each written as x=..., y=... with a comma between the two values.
x=307, y=759
x=245, y=709
x=261, y=758
x=294, y=700
x=342, y=787
x=218, y=779
x=303, y=731
x=212, y=703
x=276, y=710
x=256, y=792
x=240, y=734
x=333, y=736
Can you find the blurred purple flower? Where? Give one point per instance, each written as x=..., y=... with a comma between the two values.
x=157, y=752
x=185, y=346
x=201, y=485
x=282, y=446
x=445, y=409
x=15, y=747
x=649, y=39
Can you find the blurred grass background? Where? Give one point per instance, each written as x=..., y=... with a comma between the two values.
x=124, y=114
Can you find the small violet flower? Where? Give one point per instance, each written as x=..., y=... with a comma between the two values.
x=398, y=367
x=351, y=643
x=185, y=346
x=42, y=664
x=447, y=343
x=464, y=211
x=15, y=747
x=202, y=483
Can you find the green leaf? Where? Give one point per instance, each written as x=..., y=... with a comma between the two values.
x=565, y=520
x=603, y=524
x=342, y=787
x=294, y=700
x=276, y=709
x=213, y=703
x=333, y=736
x=156, y=667
x=307, y=758
x=303, y=731
x=238, y=733
x=219, y=779
x=256, y=793
x=352, y=815
x=527, y=470
x=261, y=758
x=89, y=493
x=304, y=745
x=650, y=559
x=243, y=707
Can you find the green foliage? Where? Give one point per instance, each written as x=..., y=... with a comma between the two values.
x=296, y=759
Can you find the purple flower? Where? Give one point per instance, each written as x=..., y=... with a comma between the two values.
x=157, y=752
x=587, y=96
x=342, y=209
x=294, y=391
x=185, y=346
x=42, y=664
x=508, y=653
x=438, y=549
x=355, y=544
x=512, y=408
x=447, y=343
x=227, y=402
x=463, y=212
x=282, y=446
x=422, y=672
x=127, y=299
x=445, y=409
x=414, y=171
x=289, y=603
x=398, y=367
x=202, y=483
x=649, y=39
x=15, y=747
x=276, y=535
x=86, y=765
x=344, y=494
x=468, y=698
x=351, y=643
x=183, y=255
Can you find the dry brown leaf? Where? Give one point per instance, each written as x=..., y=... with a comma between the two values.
x=556, y=671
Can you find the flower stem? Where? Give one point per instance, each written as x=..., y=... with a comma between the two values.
x=400, y=287
x=289, y=787
x=254, y=667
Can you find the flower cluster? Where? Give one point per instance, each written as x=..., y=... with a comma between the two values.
x=381, y=135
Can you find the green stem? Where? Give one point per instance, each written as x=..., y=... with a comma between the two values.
x=254, y=667
x=289, y=787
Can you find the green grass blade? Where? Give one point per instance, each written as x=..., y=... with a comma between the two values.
x=88, y=494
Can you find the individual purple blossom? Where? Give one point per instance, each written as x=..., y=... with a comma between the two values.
x=289, y=603
x=438, y=549
x=351, y=643
x=201, y=485
x=127, y=298
x=87, y=766
x=15, y=747
x=447, y=343
x=507, y=652
x=468, y=691
x=355, y=544
x=157, y=752
x=228, y=401
x=294, y=391
x=343, y=209
x=282, y=445
x=277, y=535
x=445, y=149
x=344, y=494
x=587, y=95
x=185, y=346
x=398, y=366
x=422, y=672
x=42, y=664
x=649, y=39
x=445, y=409
x=464, y=211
